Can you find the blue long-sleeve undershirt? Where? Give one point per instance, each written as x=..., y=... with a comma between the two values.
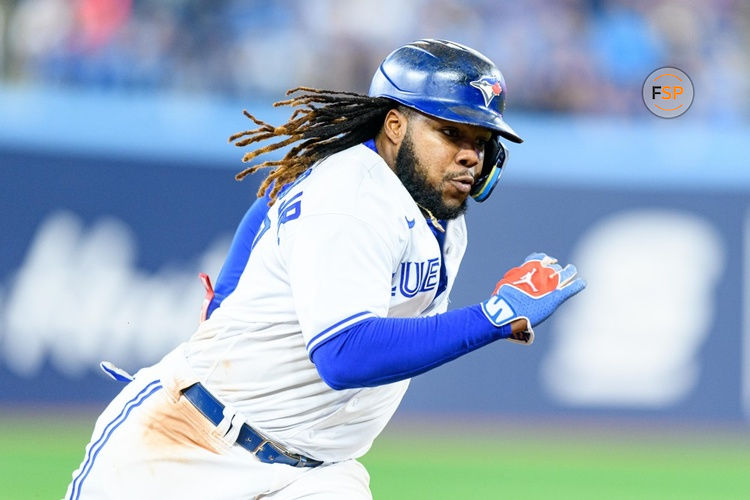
x=379, y=351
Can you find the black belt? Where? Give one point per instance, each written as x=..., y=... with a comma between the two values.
x=265, y=450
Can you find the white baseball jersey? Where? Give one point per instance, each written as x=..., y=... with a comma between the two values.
x=345, y=243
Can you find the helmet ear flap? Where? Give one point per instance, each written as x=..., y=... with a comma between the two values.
x=495, y=156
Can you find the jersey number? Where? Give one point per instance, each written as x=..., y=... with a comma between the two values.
x=288, y=210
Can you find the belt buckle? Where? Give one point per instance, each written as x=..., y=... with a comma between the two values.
x=263, y=442
x=284, y=452
x=301, y=460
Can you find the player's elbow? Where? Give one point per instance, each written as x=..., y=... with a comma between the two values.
x=334, y=371
x=334, y=380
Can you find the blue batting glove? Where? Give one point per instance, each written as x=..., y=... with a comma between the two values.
x=532, y=292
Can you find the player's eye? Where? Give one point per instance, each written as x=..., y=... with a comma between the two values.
x=450, y=132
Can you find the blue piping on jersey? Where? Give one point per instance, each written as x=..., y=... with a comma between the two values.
x=331, y=330
x=95, y=448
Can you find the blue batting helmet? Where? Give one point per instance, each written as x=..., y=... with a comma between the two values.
x=453, y=82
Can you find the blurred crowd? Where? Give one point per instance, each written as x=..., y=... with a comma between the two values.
x=586, y=56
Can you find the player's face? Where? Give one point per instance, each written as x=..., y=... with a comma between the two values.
x=438, y=162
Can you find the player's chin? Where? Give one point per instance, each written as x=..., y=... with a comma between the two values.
x=452, y=207
x=454, y=198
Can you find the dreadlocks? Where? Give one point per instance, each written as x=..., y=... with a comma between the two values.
x=343, y=120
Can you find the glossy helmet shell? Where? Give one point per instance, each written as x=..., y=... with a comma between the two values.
x=446, y=80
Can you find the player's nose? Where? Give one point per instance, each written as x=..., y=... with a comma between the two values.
x=469, y=157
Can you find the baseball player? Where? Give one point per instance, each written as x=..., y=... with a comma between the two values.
x=333, y=295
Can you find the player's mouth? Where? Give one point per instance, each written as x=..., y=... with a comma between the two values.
x=462, y=183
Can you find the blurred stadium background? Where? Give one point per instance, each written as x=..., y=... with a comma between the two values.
x=116, y=189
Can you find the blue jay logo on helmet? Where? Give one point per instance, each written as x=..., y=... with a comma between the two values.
x=431, y=76
x=489, y=87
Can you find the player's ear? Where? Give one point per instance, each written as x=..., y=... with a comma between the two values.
x=394, y=126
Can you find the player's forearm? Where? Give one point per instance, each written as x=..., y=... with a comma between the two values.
x=379, y=351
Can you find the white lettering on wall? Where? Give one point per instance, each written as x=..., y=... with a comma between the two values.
x=78, y=298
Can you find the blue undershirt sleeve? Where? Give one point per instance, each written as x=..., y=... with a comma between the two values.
x=379, y=351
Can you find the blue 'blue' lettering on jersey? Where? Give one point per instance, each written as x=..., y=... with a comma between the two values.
x=411, y=278
x=417, y=277
x=431, y=278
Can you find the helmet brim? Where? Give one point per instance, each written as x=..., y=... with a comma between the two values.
x=485, y=118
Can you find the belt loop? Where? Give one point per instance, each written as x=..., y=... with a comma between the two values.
x=226, y=423
x=234, y=428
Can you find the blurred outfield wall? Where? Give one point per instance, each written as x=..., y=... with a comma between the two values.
x=111, y=205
